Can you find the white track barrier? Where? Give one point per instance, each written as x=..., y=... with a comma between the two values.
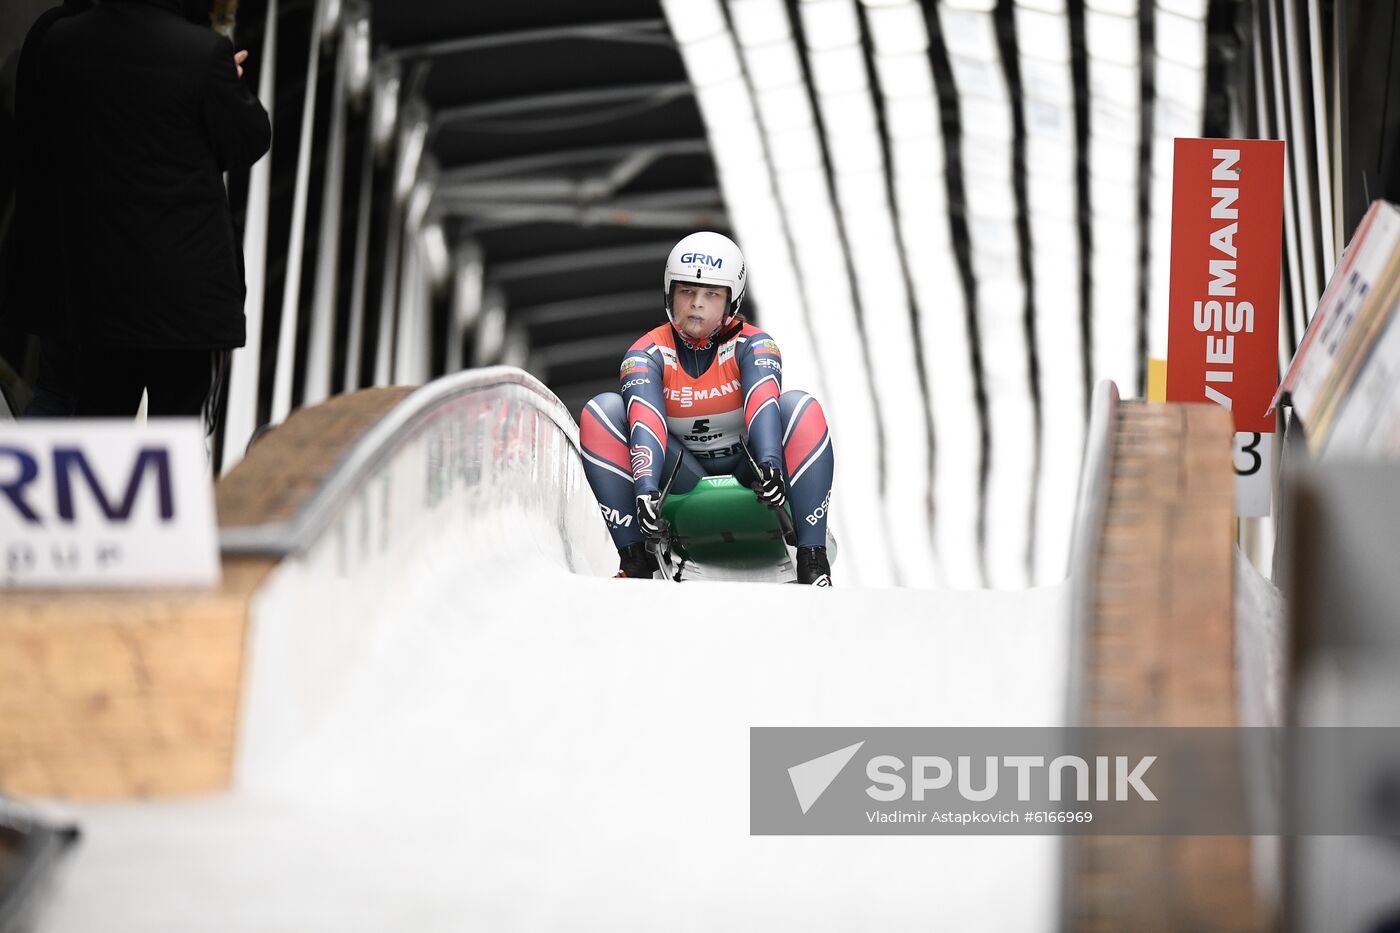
x=446, y=728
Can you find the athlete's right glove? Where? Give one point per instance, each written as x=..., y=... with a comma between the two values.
x=769, y=486
x=649, y=514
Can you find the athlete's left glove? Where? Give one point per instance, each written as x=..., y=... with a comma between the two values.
x=769, y=486
x=649, y=514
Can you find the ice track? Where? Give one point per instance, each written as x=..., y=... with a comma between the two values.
x=456, y=732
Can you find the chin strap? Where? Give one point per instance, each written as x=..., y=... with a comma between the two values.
x=694, y=344
x=724, y=328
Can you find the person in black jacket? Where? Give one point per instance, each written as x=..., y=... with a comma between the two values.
x=146, y=112
x=32, y=299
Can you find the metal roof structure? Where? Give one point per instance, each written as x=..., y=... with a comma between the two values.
x=569, y=154
x=952, y=211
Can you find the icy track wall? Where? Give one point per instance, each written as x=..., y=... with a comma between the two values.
x=468, y=474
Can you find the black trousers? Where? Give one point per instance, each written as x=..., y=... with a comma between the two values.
x=176, y=382
x=60, y=374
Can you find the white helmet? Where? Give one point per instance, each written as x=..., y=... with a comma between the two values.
x=707, y=259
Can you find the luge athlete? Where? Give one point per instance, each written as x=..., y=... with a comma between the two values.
x=706, y=389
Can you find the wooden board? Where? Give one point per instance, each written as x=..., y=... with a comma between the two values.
x=286, y=466
x=108, y=694
x=1161, y=653
x=112, y=694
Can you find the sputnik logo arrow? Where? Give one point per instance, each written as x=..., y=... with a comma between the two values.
x=811, y=778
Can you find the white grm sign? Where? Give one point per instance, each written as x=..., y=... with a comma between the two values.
x=106, y=503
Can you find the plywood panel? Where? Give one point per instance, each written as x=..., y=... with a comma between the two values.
x=1161, y=653
x=115, y=694
x=110, y=694
x=288, y=464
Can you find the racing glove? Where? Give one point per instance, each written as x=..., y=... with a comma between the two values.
x=769, y=486
x=649, y=514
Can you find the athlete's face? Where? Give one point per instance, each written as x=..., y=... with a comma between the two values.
x=698, y=309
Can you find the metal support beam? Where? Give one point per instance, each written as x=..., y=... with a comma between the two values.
x=316, y=384
x=359, y=283
x=610, y=347
x=524, y=165
x=1323, y=128
x=1300, y=155
x=291, y=285
x=604, y=185
x=560, y=312
x=410, y=346
x=689, y=212
x=384, y=342
x=651, y=95
x=603, y=215
x=468, y=293
x=578, y=192
x=649, y=31
x=559, y=263
x=245, y=368
x=407, y=152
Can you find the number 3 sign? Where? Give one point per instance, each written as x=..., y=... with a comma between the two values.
x=1253, y=472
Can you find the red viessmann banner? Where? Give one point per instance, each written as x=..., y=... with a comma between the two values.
x=1227, y=224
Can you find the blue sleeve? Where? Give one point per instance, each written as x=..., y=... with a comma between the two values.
x=761, y=371
x=645, y=402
